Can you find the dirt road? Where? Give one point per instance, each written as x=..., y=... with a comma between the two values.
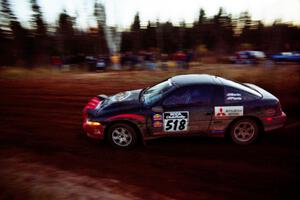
x=44, y=154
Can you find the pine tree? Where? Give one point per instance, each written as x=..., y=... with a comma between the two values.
x=99, y=13
x=7, y=17
x=40, y=37
x=136, y=33
x=65, y=31
x=38, y=24
x=16, y=35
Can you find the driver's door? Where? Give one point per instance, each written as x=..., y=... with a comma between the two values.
x=187, y=110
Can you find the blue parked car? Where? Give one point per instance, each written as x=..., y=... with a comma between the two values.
x=286, y=57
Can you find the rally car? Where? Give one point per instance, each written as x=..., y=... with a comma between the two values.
x=195, y=104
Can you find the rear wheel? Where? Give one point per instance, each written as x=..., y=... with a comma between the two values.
x=122, y=136
x=244, y=131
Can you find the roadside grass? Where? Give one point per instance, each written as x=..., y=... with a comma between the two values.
x=19, y=72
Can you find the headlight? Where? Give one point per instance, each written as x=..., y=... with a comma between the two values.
x=91, y=123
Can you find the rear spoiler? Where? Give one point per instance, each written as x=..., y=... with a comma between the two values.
x=263, y=92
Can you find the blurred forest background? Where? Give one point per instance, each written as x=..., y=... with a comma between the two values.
x=218, y=35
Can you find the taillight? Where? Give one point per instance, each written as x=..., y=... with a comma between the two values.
x=273, y=111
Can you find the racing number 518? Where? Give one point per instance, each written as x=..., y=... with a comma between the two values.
x=175, y=125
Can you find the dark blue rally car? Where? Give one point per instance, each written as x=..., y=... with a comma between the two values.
x=184, y=105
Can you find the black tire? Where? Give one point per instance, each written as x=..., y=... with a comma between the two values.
x=244, y=131
x=122, y=136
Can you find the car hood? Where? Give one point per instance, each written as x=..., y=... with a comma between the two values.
x=127, y=96
x=122, y=101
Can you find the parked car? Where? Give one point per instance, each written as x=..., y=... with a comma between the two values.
x=97, y=63
x=184, y=105
x=286, y=57
x=248, y=57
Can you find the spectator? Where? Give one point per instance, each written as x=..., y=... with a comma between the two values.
x=56, y=62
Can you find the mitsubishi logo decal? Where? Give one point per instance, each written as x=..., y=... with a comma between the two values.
x=220, y=113
x=228, y=111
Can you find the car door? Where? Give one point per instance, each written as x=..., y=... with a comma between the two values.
x=186, y=110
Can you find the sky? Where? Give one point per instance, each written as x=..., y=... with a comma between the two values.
x=121, y=12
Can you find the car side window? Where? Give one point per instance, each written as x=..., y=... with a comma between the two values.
x=196, y=95
x=201, y=95
x=178, y=97
x=234, y=95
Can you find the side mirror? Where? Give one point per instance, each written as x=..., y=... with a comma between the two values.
x=157, y=109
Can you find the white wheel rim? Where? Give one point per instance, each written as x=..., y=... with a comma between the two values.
x=244, y=131
x=121, y=136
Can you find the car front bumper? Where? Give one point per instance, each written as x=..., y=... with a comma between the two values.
x=94, y=129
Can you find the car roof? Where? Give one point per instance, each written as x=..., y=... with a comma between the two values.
x=193, y=79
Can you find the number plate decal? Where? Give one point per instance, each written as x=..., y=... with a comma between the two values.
x=176, y=121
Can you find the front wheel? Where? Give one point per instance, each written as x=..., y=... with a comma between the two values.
x=122, y=136
x=244, y=131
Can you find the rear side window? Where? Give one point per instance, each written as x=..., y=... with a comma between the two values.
x=234, y=95
x=238, y=86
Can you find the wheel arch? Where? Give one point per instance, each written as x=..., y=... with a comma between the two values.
x=254, y=118
x=138, y=131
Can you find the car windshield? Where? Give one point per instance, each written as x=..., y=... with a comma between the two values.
x=154, y=93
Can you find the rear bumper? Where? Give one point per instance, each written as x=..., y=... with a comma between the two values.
x=272, y=123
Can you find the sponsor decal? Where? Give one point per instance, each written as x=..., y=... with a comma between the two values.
x=228, y=111
x=233, y=97
x=220, y=112
x=121, y=96
x=157, y=124
x=176, y=121
x=157, y=117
